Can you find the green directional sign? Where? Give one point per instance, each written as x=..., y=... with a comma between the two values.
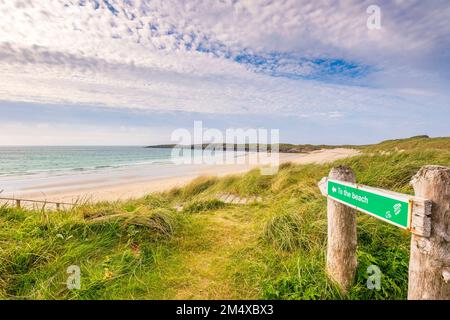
x=388, y=206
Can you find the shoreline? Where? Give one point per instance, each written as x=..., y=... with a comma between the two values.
x=138, y=181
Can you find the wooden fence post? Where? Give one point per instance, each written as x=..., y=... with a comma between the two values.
x=18, y=204
x=342, y=242
x=429, y=264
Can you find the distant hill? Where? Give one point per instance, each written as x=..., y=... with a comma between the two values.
x=406, y=143
x=417, y=142
x=283, y=147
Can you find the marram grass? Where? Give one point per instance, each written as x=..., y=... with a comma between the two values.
x=272, y=249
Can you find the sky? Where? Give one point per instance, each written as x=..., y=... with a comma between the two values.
x=130, y=72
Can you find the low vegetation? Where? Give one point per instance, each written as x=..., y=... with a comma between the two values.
x=281, y=147
x=272, y=249
x=205, y=205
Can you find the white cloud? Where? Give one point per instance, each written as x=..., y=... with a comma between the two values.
x=141, y=56
x=42, y=133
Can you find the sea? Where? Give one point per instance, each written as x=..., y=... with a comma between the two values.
x=39, y=171
x=19, y=161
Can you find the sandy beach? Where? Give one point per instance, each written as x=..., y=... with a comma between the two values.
x=137, y=181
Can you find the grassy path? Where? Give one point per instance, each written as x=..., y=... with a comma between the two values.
x=208, y=255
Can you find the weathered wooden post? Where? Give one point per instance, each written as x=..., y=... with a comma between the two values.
x=18, y=204
x=341, y=251
x=429, y=264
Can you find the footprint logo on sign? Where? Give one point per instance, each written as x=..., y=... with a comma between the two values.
x=397, y=208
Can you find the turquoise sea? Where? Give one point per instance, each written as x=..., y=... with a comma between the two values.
x=39, y=171
x=55, y=160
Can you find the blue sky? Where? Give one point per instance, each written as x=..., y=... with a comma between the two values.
x=131, y=72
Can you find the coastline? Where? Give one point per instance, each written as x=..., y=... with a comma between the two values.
x=140, y=180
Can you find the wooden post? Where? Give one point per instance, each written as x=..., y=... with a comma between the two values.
x=18, y=204
x=341, y=251
x=429, y=264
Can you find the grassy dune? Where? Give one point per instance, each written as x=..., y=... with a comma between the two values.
x=275, y=248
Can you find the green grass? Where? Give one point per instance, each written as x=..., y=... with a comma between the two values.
x=201, y=206
x=273, y=249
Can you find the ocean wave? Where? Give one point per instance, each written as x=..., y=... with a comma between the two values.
x=49, y=161
x=104, y=166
